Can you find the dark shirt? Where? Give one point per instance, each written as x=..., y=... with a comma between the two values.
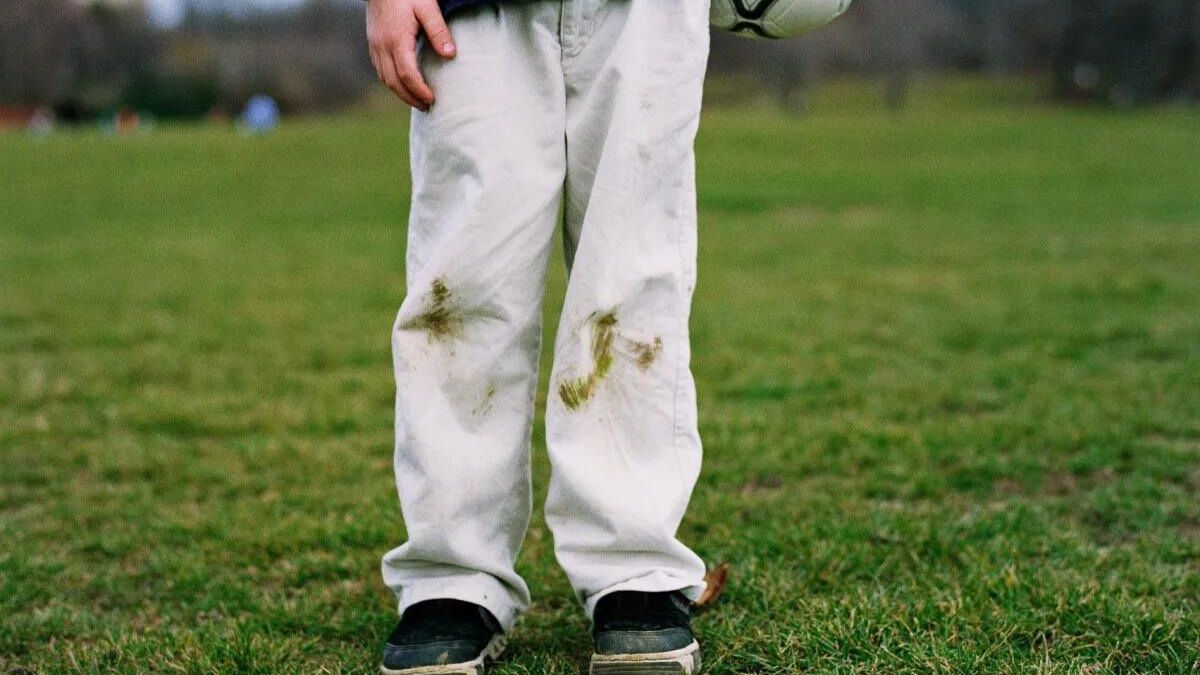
x=450, y=6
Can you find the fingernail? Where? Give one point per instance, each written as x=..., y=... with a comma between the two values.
x=448, y=48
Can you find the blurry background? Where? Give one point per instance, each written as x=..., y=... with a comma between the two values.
x=193, y=59
x=946, y=343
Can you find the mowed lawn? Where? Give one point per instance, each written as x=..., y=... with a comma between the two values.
x=948, y=366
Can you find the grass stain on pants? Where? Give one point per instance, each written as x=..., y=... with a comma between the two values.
x=595, y=102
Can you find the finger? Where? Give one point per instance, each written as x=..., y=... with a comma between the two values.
x=392, y=78
x=410, y=75
x=436, y=30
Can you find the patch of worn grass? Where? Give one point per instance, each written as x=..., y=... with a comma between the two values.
x=947, y=364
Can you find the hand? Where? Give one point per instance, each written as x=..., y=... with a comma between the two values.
x=392, y=27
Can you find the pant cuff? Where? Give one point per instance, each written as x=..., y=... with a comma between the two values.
x=481, y=589
x=655, y=582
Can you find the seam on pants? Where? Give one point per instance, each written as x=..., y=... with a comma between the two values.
x=681, y=339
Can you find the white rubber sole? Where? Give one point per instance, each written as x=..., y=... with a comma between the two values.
x=477, y=666
x=684, y=661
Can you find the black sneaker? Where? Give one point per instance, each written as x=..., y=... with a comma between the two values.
x=644, y=634
x=443, y=637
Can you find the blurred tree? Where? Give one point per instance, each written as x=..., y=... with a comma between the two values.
x=39, y=40
x=313, y=56
x=120, y=47
x=887, y=39
x=1120, y=51
x=77, y=57
x=1130, y=51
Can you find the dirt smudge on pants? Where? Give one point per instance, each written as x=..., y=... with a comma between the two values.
x=645, y=353
x=438, y=319
x=575, y=392
x=485, y=404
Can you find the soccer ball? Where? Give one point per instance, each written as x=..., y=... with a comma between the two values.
x=774, y=18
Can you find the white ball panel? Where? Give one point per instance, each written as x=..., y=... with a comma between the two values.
x=789, y=18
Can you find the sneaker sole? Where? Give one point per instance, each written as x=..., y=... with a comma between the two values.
x=478, y=666
x=684, y=661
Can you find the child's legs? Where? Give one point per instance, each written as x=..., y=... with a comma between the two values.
x=488, y=168
x=621, y=417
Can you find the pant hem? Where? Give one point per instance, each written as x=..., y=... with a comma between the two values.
x=482, y=589
x=654, y=582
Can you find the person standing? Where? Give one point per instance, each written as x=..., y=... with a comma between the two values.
x=524, y=110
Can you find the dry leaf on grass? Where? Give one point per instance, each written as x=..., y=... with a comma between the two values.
x=715, y=580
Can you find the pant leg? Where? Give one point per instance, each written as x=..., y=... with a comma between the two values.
x=488, y=169
x=621, y=420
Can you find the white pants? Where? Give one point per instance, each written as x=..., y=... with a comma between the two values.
x=596, y=101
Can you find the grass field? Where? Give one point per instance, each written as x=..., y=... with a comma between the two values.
x=948, y=364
